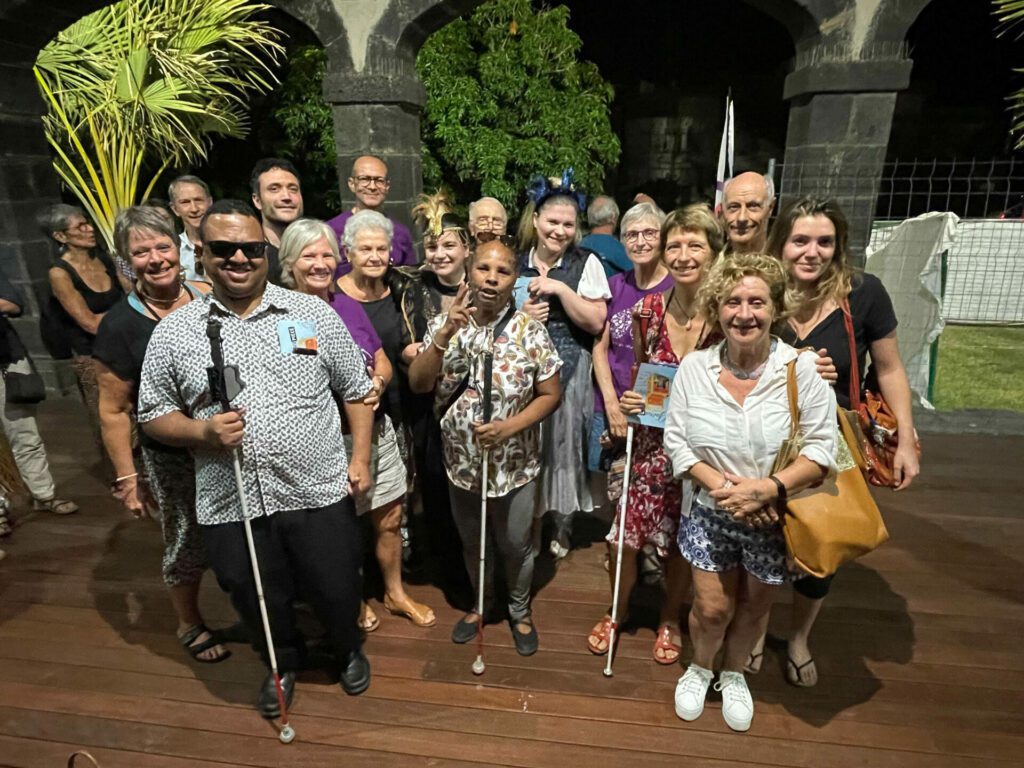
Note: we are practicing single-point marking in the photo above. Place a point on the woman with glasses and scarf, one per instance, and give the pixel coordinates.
(564, 287)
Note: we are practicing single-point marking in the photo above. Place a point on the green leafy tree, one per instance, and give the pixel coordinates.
(508, 97)
(1010, 14)
(142, 85)
(306, 124)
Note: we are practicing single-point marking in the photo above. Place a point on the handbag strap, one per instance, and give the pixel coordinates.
(641, 327)
(794, 410)
(854, 367)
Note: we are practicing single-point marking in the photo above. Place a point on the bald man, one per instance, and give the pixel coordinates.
(370, 183)
(747, 205)
(488, 219)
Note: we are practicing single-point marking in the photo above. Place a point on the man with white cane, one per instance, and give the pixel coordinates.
(290, 352)
(523, 389)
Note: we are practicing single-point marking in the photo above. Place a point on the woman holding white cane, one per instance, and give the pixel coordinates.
(524, 389)
(666, 327)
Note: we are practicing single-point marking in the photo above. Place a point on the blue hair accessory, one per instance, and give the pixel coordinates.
(541, 189)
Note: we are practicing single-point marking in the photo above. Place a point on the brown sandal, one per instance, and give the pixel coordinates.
(417, 613)
(599, 635)
(665, 643)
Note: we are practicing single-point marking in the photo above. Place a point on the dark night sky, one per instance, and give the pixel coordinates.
(955, 105)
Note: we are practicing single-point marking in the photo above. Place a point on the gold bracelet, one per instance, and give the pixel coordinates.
(434, 342)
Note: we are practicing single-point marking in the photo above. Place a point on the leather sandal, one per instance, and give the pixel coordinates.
(665, 643)
(195, 647)
(597, 640)
(368, 620)
(419, 614)
(55, 505)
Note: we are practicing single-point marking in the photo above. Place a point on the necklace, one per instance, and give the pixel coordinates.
(740, 373)
(162, 303)
(688, 325)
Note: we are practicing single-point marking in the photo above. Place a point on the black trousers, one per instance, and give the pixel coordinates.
(320, 549)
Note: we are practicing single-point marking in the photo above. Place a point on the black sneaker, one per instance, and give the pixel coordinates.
(526, 644)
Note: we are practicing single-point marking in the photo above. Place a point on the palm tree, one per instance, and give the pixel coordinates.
(146, 84)
(1010, 14)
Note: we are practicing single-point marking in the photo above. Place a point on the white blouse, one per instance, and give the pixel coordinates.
(705, 423)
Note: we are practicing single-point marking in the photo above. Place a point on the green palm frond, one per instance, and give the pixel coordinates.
(146, 83)
(1010, 14)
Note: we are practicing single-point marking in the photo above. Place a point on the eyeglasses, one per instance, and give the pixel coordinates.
(647, 234)
(225, 249)
(372, 181)
(490, 221)
(82, 226)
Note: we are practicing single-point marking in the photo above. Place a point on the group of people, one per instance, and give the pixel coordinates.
(366, 382)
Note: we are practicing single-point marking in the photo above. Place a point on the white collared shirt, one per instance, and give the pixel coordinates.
(187, 256)
(705, 423)
(593, 283)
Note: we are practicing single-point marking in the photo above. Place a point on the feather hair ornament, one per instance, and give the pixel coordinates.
(431, 211)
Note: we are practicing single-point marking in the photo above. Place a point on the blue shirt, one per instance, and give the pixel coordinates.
(611, 252)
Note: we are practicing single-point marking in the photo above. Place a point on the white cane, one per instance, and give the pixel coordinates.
(623, 503)
(213, 332)
(478, 665)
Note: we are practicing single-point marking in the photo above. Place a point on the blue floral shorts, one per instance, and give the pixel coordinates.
(713, 540)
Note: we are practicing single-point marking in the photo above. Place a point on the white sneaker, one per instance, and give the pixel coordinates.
(737, 703)
(691, 690)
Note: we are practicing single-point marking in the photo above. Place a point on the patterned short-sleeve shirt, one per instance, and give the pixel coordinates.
(293, 455)
(523, 356)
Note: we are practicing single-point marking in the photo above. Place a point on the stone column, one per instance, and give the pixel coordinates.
(839, 120)
(379, 115)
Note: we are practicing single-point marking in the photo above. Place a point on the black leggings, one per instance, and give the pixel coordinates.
(814, 588)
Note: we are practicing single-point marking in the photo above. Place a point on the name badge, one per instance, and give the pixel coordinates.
(297, 337)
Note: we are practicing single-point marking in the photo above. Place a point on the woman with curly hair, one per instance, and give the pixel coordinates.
(728, 417)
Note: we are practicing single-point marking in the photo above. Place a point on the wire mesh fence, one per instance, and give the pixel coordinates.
(983, 270)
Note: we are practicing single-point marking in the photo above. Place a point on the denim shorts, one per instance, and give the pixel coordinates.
(713, 540)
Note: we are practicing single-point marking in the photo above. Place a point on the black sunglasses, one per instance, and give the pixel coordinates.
(509, 241)
(225, 249)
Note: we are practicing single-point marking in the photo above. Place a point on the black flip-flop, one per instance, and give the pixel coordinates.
(794, 673)
(212, 641)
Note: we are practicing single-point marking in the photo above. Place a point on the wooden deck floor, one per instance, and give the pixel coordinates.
(918, 650)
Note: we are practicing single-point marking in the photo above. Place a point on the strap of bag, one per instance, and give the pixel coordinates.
(464, 384)
(854, 367)
(794, 409)
(642, 325)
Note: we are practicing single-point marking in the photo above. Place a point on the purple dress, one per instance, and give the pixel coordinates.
(625, 295)
(403, 253)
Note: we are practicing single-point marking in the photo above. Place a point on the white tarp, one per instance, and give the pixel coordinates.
(908, 262)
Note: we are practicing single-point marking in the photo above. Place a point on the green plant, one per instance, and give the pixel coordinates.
(507, 98)
(143, 84)
(1010, 14)
(306, 122)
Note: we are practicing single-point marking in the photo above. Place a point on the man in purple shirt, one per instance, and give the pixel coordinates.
(369, 182)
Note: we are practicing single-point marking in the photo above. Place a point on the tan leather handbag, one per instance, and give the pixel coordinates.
(836, 521)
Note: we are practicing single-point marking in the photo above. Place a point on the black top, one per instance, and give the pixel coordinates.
(11, 348)
(98, 303)
(120, 344)
(386, 319)
(873, 319)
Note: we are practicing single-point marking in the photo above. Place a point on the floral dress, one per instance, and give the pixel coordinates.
(655, 497)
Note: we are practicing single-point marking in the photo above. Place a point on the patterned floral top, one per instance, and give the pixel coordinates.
(523, 356)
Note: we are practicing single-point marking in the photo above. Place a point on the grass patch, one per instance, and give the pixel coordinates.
(980, 367)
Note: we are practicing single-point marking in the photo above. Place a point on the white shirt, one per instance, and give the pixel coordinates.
(593, 282)
(187, 256)
(705, 423)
